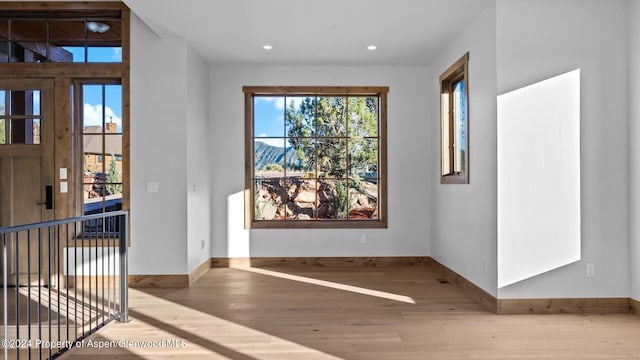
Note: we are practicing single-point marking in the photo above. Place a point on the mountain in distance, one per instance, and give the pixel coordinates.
(267, 154)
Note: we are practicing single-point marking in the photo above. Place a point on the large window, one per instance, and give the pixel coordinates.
(454, 108)
(315, 157)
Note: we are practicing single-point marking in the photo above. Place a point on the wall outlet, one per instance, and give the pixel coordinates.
(590, 270)
(202, 244)
(153, 187)
(363, 238)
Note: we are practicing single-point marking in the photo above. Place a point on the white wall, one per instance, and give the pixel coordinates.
(537, 39)
(409, 145)
(463, 225)
(158, 153)
(634, 138)
(198, 172)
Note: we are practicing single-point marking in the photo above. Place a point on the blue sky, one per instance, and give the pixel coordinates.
(269, 118)
(93, 106)
(96, 54)
(459, 91)
(93, 109)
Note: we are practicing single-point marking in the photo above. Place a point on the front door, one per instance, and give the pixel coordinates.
(26, 173)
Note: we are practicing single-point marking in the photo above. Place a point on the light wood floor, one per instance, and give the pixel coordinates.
(400, 313)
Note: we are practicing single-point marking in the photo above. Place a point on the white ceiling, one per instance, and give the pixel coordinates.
(302, 32)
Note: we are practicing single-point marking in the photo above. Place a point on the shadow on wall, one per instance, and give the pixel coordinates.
(538, 178)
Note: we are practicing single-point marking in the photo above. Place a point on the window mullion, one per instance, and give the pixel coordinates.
(315, 149)
(285, 180)
(348, 162)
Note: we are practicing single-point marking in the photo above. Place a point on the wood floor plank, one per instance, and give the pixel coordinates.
(349, 313)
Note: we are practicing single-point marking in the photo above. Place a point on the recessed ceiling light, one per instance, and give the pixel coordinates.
(267, 47)
(372, 47)
(97, 27)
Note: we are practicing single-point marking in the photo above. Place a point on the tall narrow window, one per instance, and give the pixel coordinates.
(454, 108)
(316, 157)
(101, 109)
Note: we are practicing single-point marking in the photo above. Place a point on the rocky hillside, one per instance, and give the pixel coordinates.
(309, 199)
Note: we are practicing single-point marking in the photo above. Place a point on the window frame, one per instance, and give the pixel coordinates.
(258, 91)
(457, 72)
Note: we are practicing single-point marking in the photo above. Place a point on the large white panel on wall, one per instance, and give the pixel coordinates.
(538, 178)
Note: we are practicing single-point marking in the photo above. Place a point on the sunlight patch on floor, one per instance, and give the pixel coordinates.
(333, 285)
(216, 337)
(74, 306)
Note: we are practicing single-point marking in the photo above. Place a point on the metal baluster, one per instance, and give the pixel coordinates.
(112, 284)
(112, 267)
(97, 287)
(124, 271)
(102, 262)
(84, 235)
(5, 297)
(17, 292)
(66, 282)
(75, 280)
(90, 240)
(58, 283)
(50, 285)
(28, 287)
(40, 290)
